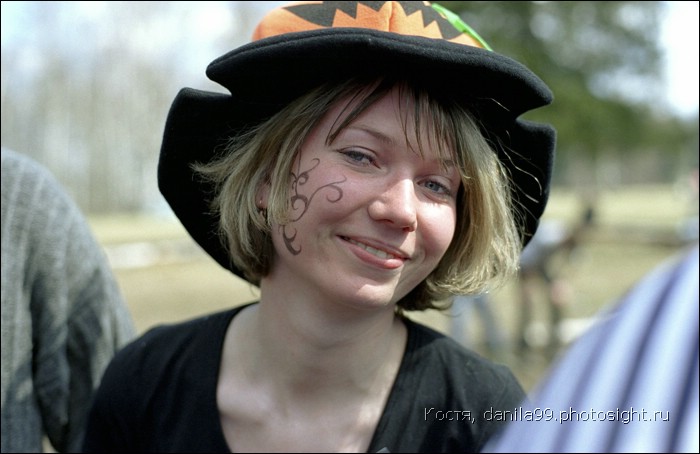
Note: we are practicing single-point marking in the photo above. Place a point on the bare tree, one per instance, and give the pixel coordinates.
(87, 91)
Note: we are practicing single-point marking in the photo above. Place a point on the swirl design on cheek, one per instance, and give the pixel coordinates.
(301, 202)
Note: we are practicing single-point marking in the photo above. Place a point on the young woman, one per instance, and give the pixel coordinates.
(368, 162)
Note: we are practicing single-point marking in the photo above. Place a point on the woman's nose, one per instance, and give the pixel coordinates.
(396, 204)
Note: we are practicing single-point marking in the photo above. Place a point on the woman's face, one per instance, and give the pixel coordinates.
(370, 217)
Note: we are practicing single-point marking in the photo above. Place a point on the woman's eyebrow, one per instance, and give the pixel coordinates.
(446, 162)
(373, 132)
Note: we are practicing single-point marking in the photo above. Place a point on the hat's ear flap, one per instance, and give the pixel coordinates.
(531, 173)
(196, 124)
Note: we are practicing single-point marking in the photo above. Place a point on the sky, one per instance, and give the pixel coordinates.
(680, 37)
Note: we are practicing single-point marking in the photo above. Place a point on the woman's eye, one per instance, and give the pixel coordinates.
(358, 156)
(438, 188)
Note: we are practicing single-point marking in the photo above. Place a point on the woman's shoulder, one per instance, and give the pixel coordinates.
(451, 362)
(427, 341)
(170, 346)
(447, 396)
(186, 329)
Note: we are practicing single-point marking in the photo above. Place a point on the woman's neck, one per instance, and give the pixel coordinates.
(316, 347)
(285, 369)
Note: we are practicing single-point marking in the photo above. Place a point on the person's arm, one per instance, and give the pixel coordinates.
(79, 318)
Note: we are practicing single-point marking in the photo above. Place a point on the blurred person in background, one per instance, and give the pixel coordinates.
(369, 161)
(629, 383)
(543, 266)
(63, 316)
(464, 307)
(688, 229)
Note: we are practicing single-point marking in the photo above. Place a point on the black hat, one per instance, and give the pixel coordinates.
(300, 46)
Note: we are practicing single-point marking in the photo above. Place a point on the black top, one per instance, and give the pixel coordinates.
(159, 394)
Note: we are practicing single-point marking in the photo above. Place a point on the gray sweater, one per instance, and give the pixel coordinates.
(63, 315)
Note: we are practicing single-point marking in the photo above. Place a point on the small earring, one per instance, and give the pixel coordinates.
(262, 211)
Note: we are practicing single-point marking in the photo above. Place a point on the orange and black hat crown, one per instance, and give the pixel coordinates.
(304, 44)
(404, 18)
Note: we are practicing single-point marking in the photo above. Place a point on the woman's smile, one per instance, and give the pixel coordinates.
(387, 259)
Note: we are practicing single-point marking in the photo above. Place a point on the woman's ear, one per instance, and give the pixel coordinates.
(261, 196)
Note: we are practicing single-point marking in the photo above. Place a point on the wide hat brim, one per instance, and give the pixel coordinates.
(265, 75)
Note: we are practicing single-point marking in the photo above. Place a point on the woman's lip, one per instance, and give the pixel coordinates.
(380, 252)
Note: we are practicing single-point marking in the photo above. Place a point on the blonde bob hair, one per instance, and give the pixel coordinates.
(486, 245)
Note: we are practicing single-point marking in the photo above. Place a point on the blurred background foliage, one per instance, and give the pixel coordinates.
(603, 61)
(86, 86)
